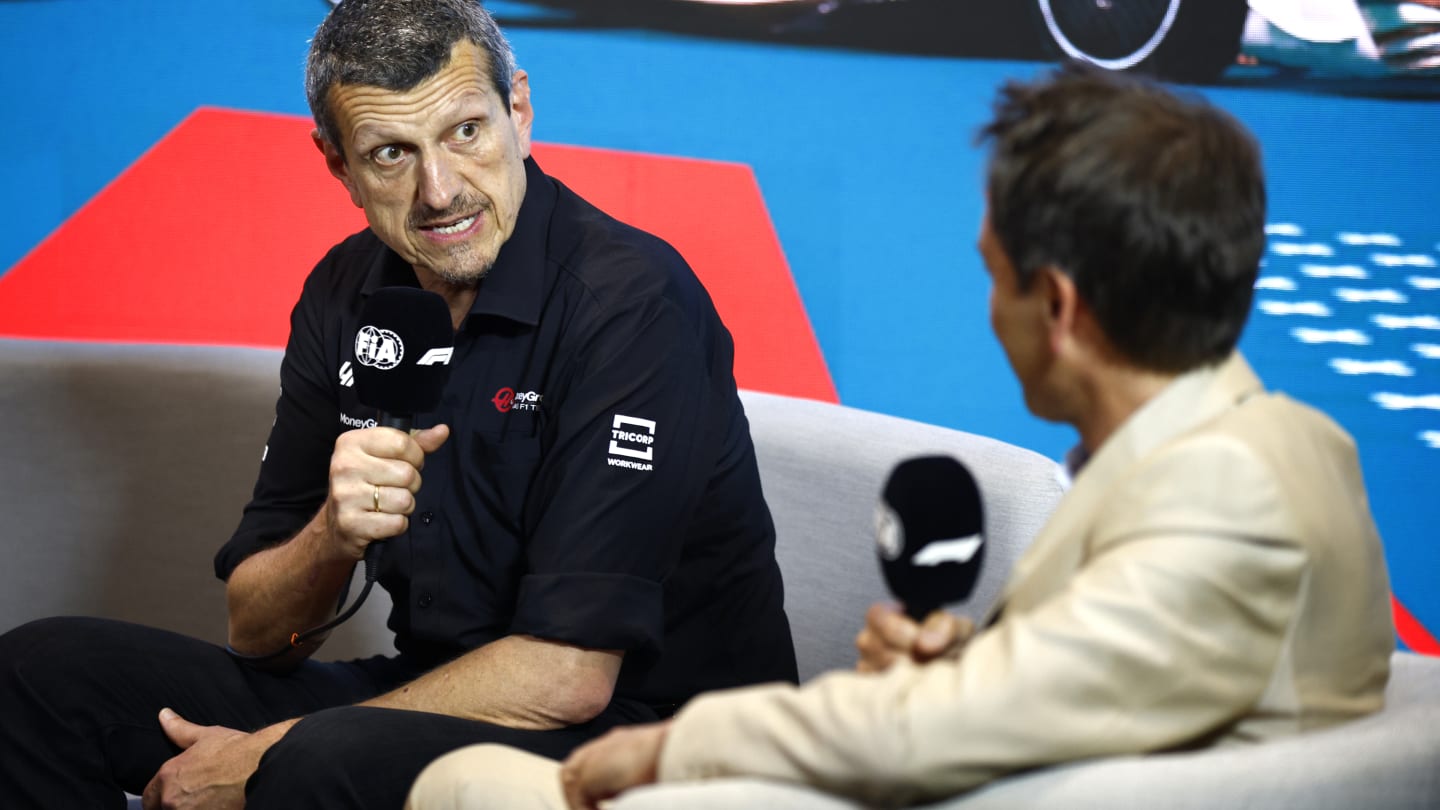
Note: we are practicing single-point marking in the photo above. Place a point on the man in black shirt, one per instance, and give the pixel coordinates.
(588, 546)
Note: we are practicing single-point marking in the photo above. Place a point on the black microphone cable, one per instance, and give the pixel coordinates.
(372, 570)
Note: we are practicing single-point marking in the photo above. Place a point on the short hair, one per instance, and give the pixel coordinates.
(396, 45)
(1152, 202)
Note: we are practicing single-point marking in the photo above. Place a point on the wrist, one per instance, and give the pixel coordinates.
(662, 732)
(271, 734)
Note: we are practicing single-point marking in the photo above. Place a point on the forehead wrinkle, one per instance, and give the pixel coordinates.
(374, 112)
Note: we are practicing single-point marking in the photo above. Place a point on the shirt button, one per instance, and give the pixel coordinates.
(426, 517)
(425, 599)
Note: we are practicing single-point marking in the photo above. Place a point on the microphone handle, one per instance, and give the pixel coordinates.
(399, 421)
(915, 609)
(373, 552)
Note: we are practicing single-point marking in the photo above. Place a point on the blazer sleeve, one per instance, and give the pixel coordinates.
(1167, 634)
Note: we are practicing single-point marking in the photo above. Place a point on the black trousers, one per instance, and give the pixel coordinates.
(79, 700)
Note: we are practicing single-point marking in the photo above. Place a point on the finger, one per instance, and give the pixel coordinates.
(378, 442)
(410, 447)
(392, 500)
(430, 439)
(374, 511)
(940, 633)
(570, 781)
(891, 627)
(874, 655)
(353, 471)
(150, 798)
(182, 732)
(355, 527)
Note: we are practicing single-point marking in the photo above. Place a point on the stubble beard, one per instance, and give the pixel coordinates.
(466, 264)
(467, 270)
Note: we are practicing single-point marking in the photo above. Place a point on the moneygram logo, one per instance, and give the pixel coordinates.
(378, 348)
(508, 399)
(356, 422)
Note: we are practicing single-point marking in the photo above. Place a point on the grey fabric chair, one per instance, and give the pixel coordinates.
(823, 466)
(126, 466)
(129, 465)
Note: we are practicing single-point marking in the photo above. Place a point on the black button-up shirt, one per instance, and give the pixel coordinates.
(599, 485)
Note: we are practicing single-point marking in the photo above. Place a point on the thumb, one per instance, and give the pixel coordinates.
(430, 439)
(937, 634)
(182, 732)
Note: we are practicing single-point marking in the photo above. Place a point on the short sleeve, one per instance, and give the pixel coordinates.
(628, 465)
(294, 467)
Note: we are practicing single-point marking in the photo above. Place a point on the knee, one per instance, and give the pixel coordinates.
(44, 645)
(319, 756)
(317, 742)
(488, 776)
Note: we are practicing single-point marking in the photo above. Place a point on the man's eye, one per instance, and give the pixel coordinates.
(467, 131)
(388, 155)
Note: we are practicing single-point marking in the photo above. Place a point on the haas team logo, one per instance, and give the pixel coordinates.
(504, 399)
(508, 398)
(378, 348)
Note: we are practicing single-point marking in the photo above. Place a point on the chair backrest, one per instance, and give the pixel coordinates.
(127, 466)
(823, 466)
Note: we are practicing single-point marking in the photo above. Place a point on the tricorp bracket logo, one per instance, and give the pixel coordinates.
(632, 438)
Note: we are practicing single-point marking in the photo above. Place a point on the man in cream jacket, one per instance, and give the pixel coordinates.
(1213, 577)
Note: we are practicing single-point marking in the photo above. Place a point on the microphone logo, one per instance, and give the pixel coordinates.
(959, 550)
(378, 348)
(889, 533)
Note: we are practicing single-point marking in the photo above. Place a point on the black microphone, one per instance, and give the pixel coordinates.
(402, 353)
(929, 532)
(402, 361)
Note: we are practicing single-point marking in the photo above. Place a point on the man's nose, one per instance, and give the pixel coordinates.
(439, 182)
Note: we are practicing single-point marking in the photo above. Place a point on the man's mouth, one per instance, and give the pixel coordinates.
(453, 228)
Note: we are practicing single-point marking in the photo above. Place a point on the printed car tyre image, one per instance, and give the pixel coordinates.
(1179, 40)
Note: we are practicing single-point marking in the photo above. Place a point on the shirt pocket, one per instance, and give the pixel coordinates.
(499, 474)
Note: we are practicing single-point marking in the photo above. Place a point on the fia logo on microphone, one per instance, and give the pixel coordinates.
(378, 348)
(889, 533)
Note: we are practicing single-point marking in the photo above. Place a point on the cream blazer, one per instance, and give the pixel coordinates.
(1213, 577)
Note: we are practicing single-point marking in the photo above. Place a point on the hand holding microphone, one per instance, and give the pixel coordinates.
(374, 477)
(402, 362)
(928, 527)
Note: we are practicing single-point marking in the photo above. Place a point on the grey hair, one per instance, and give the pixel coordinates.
(396, 45)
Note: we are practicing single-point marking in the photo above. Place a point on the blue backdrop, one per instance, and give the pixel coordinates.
(868, 166)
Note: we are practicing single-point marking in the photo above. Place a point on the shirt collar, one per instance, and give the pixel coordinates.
(514, 288)
(1193, 398)
(1070, 466)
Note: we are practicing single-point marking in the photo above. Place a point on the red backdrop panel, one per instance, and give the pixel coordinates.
(207, 238)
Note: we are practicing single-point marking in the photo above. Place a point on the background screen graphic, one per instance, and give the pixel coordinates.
(153, 153)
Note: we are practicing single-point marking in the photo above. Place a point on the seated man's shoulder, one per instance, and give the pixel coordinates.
(1271, 467)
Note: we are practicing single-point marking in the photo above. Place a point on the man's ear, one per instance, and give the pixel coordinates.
(522, 114)
(335, 162)
(1062, 305)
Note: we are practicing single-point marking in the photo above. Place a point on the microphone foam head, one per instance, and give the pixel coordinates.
(402, 350)
(929, 532)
